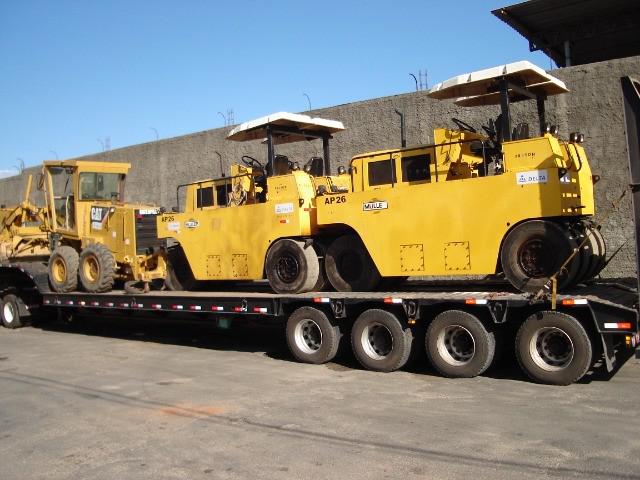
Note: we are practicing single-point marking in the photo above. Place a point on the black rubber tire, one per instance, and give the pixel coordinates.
(134, 287)
(380, 342)
(601, 261)
(292, 268)
(179, 276)
(459, 345)
(66, 258)
(550, 246)
(311, 336)
(349, 267)
(10, 311)
(98, 256)
(539, 340)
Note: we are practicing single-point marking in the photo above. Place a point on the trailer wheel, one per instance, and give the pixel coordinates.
(97, 268)
(312, 337)
(292, 268)
(10, 311)
(380, 342)
(535, 250)
(553, 348)
(349, 267)
(459, 345)
(63, 269)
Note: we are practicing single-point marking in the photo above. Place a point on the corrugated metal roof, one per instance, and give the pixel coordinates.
(595, 30)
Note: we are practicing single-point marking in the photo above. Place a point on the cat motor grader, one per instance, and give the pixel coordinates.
(472, 203)
(260, 221)
(95, 238)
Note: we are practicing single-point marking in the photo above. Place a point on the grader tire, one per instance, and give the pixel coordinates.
(349, 267)
(63, 269)
(601, 259)
(97, 269)
(535, 250)
(292, 268)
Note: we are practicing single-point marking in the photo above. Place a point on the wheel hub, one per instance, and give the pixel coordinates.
(91, 269)
(59, 271)
(377, 341)
(8, 313)
(308, 336)
(287, 268)
(456, 345)
(551, 349)
(533, 258)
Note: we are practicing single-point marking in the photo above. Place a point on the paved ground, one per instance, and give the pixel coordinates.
(118, 400)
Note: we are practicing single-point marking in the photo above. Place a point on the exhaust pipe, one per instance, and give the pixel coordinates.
(403, 133)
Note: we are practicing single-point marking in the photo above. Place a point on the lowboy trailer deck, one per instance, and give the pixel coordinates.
(460, 330)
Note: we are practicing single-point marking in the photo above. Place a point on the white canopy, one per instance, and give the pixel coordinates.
(478, 88)
(294, 126)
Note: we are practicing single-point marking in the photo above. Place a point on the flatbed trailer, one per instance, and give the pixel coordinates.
(461, 329)
(459, 326)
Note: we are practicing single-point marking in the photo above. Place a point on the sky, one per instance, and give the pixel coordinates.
(78, 76)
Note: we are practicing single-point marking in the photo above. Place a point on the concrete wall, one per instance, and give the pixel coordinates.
(593, 107)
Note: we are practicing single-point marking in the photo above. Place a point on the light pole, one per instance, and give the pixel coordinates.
(156, 131)
(415, 79)
(308, 101)
(223, 116)
(101, 143)
(55, 153)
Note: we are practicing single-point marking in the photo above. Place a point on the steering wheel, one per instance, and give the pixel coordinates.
(462, 125)
(251, 162)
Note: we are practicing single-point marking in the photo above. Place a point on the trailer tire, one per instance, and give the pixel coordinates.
(97, 268)
(553, 348)
(63, 269)
(533, 251)
(380, 342)
(311, 336)
(10, 311)
(459, 345)
(179, 276)
(349, 267)
(292, 268)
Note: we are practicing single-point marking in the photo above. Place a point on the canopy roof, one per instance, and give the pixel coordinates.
(574, 32)
(286, 128)
(481, 87)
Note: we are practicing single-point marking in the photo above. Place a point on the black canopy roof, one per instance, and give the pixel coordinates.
(574, 32)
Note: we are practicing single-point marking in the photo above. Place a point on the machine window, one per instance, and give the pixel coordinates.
(416, 168)
(382, 172)
(222, 194)
(204, 197)
(100, 186)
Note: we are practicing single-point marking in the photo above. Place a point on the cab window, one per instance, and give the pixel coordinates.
(100, 186)
(382, 172)
(416, 168)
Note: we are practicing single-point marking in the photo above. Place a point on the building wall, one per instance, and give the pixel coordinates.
(593, 107)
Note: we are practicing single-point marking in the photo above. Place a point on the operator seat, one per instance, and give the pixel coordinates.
(281, 165)
(315, 167)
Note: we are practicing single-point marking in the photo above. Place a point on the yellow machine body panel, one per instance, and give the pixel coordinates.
(228, 224)
(431, 211)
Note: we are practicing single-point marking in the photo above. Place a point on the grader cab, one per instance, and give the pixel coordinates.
(96, 239)
(472, 203)
(259, 221)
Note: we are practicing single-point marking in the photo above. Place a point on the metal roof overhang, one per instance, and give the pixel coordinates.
(574, 32)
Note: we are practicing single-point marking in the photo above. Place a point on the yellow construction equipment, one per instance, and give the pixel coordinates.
(96, 238)
(472, 203)
(260, 220)
(502, 201)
